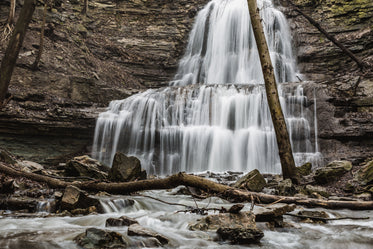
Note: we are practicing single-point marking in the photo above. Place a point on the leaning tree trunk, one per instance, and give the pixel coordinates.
(12, 12)
(282, 135)
(15, 43)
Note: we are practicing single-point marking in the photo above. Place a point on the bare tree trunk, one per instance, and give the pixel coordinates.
(15, 43)
(41, 44)
(173, 181)
(328, 36)
(282, 135)
(12, 12)
(85, 7)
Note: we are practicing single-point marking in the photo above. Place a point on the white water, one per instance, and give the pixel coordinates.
(215, 126)
(59, 232)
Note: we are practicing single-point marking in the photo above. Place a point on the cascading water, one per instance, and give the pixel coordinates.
(220, 125)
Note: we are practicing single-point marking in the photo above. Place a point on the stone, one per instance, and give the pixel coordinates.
(86, 166)
(125, 169)
(7, 157)
(235, 209)
(240, 235)
(332, 171)
(121, 221)
(305, 169)
(267, 214)
(229, 220)
(29, 166)
(311, 216)
(84, 211)
(137, 230)
(309, 189)
(252, 181)
(74, 198)
(285, 187)
(365, 175)
(97, 238)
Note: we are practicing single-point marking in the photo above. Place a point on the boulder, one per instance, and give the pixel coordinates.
(305, 169)
(365, 175)
(97, 238)
(286, 187)
(240, 235)
(121, 221)
(239, 228)
(267, 214)
(310, 189)
(252, 181)
(137, 230)
(74, 198)
(86, 166)
(332, 171)
(125, 169)
(30, 167)
(230, 220)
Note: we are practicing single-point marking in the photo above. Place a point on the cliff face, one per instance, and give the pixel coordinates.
(123, 47)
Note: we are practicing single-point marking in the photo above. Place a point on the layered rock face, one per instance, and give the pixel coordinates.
(123, 47)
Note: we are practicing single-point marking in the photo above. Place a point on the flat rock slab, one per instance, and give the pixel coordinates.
(138, 230)
(265, 214)
(225, 220)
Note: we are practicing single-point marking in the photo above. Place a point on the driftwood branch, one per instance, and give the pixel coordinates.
(327, 219)
(330, 37)
(173, 181)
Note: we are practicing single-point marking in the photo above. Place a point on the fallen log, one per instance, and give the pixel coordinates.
(173, 181)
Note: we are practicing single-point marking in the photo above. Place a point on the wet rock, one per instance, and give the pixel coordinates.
(332, 171)
(252, 181)
(97, 238)
(235, 209)
(240, 235)
(267, 214)
(137, 230)
(309, 189)
(365, 175)
(121, 221)
(229, 220)
(86, 166)
(313, 216)
(145, 243)
(84, 211)
(285, 187)
(305, 169)
(74, 198)
(126, 169)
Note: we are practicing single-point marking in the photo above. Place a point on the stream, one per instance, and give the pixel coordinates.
(59, 232)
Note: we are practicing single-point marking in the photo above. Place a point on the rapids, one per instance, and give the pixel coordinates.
(58, 232)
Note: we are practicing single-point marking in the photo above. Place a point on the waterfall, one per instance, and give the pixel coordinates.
(214, 116)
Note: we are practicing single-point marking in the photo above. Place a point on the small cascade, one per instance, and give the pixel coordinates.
(43, 206)
(115, 205)
(214, 116)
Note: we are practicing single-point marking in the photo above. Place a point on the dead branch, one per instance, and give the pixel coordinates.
(173, 181)
(327, 219)
(330, 37)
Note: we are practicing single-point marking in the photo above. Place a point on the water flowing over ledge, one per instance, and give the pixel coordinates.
(215, 125)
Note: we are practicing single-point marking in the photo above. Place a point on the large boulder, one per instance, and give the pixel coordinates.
(125, 169)
(332, 171)
(97, 238)
(305, 169)
(86, 167)
(252, 181)
(240, 235)
(365, 175)
(74, 198)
